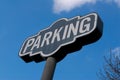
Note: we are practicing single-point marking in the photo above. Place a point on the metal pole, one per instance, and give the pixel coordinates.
(49, 69)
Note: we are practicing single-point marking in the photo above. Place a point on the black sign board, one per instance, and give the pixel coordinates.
(62, 37)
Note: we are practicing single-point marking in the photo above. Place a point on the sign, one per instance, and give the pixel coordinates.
(62, 37)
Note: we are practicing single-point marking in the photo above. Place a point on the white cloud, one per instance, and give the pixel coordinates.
(117, 2)
(108, 1)
(114, 1)
(68, 5)
(116, 52)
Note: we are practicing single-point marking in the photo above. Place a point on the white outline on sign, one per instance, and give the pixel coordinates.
(47, 55)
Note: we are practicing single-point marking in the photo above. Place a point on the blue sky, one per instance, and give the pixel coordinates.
(20, 19)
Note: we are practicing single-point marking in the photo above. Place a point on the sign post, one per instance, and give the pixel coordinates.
(49, 69)
(62, 37)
